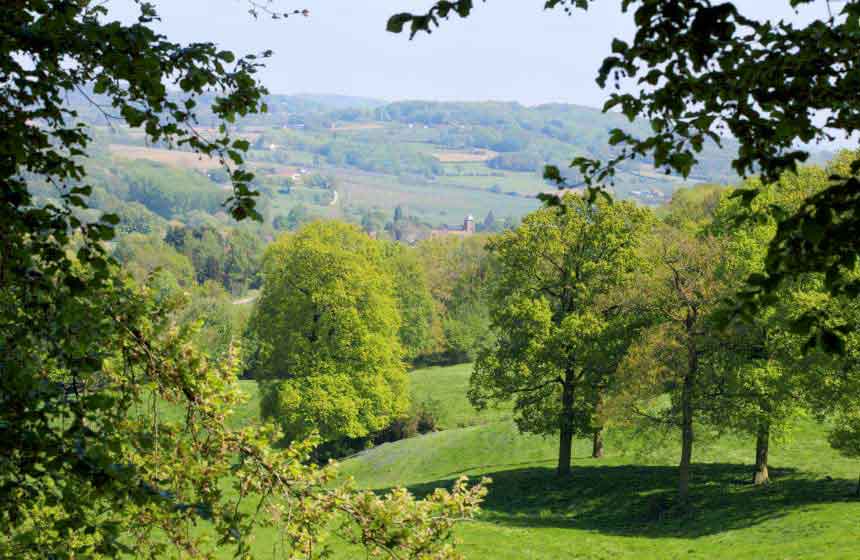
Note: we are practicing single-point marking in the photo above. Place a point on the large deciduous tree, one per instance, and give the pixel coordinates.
(831, 382)
(759, 381)
(328, 325)
(458, 271)
(230, 256)
(556, 326)
(679, 292)
(414, 301)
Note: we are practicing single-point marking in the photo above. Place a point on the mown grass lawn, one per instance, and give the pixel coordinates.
(619, 506)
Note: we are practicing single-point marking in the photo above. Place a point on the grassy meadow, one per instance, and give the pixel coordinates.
(615, 507)
(443, 200)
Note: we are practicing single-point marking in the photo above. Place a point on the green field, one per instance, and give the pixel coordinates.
(611, 508)
(440, 201)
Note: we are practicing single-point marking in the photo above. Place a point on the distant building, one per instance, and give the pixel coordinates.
(467, 229)
(469, 224)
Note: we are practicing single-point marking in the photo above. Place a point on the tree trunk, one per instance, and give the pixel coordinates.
(566, 431)
(686, 449)
(687, 427)
(564, 451)
(597, 444)
(762, 442)
(687, 408)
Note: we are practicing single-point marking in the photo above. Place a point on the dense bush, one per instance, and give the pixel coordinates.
(421, 419)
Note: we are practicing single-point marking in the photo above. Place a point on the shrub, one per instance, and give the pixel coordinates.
(421, 419)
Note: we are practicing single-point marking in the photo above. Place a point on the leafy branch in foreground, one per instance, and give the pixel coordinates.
(443, 9)
(114, 428)
(702, 72)
(135, 454)
(258, 8)
(134, 76)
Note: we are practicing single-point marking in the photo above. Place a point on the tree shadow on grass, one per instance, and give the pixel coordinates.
(632, 500)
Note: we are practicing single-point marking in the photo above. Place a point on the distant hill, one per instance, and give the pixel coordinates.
(531, 136)
(336, 102)
(441, 160)
(553, 133)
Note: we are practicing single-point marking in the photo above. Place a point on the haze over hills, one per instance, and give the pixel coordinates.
(379, 314)
(360, 158)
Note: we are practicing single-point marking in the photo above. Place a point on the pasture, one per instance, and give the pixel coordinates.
(464, 156)
(438, 201)
(172, 158)
(616, 507)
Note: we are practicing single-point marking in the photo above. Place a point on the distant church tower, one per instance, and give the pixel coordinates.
(469, 224)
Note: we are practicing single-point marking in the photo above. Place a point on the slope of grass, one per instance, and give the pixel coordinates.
(618, 507)
(244, 415)
(614, 508)
(444, 390)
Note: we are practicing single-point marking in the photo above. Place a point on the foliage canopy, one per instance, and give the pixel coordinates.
(700, 71)
(328, 325)
(92, 464)
(559, 333)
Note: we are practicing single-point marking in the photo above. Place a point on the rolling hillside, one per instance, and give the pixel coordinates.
(441, 161)
(611, 508)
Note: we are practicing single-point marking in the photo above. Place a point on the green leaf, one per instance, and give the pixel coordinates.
(397, 21)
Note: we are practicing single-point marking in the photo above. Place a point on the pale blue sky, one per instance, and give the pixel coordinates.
(508, 50)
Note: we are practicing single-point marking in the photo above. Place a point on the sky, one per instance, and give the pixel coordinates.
(510, 50)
